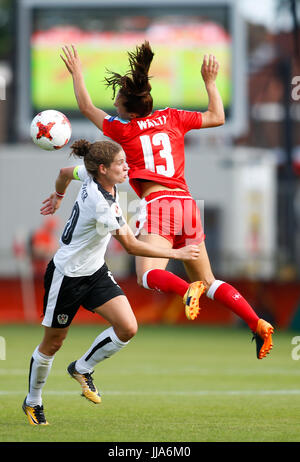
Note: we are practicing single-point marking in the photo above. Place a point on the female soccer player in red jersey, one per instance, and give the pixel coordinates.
(154, 147)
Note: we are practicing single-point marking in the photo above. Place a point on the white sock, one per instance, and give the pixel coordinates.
(104, 346)
(40, 366)
(211, 291)
(144, 279)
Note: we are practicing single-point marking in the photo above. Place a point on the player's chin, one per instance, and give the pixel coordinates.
(122, 179)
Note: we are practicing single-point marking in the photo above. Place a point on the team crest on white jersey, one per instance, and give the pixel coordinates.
(116, 209)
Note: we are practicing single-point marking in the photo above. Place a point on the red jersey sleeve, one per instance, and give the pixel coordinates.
(189, 120)
(114, 127)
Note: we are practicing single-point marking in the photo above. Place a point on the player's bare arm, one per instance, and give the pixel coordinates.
(52, 203)
(134, 247)
(214, 116)
(73, 64)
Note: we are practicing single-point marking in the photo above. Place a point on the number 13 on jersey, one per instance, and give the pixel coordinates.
(159, 139)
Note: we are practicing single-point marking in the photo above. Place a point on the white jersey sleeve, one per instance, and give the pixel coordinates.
(80, 173)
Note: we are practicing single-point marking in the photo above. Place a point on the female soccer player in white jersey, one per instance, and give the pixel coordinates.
(78, 275)
(154, 146)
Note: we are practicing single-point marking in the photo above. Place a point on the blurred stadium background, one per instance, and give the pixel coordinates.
(245, 174)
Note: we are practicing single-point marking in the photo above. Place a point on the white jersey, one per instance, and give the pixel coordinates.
(95, 215)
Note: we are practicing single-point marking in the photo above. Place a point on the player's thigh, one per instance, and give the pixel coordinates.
(119, 314)
(143, 264)
(200, 269)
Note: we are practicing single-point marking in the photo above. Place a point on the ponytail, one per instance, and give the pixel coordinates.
(80, 148)
(134, 85)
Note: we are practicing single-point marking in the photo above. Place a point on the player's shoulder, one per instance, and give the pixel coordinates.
(116, 128)
(94, 199)
(102, 196)
(165, 111)
(87, 193)
(116, 119)
(170, 113)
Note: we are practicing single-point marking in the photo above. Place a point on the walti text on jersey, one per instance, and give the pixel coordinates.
(143, 124)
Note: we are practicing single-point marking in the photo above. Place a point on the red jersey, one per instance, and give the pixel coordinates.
(154, 145)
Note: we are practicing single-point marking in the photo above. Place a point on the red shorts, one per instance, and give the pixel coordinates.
(173, 215)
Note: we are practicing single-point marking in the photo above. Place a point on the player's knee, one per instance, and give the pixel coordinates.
(131, 330)
(55, 344)
(140, 280)
(128, 331)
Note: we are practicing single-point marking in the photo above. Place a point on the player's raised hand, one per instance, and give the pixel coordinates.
(71, 59)
(51, 204)
(189, 252)
(209, 69)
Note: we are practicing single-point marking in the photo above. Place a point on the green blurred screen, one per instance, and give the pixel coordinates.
(178, 40)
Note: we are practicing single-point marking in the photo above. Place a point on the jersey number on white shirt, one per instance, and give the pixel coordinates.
(166, 153)
(70, 225)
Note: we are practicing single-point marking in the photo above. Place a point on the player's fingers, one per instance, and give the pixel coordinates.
(74, 51)
(67, 64)
(64, 60)
(46, 207)
(205, 60)
(211, 62)
(194, 252)
(214, 62)
(46, 210)
(67, 60)
(47, 202)
(67, 52)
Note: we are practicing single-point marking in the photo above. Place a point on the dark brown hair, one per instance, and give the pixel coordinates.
(95, 154)
(134, 86)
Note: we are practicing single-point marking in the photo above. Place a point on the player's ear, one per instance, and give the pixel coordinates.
(133, 115)
(102, 169)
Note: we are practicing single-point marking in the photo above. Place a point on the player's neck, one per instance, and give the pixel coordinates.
(141, 117)
(106, 185)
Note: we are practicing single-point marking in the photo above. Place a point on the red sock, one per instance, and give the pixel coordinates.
(164, 281)
(230, 297)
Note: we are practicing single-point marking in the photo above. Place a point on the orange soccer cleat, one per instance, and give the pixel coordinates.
(191, 299)
(89, 390)
(263, 338)
(35, 414)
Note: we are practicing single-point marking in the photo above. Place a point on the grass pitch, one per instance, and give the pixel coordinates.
(170, 384)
